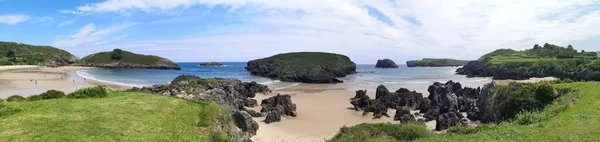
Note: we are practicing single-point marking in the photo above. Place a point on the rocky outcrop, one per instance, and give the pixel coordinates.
(403, 115)
(211, 64)
(276, 106)
(385, 100)
(124, 59)
(306, 67)
(233, 95)
(386, 63)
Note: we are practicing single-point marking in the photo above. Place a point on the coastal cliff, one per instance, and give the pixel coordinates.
(306, 67)
(541, 61)
(430, 62)
(386, 63)
(124, 59)
(12, 53)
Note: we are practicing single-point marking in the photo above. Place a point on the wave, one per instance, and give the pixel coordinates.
(86, 75)
(277, 84)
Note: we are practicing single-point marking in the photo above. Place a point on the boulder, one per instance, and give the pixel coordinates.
(273, 116)
(386, 63)
(306, 67)
(245, 122)
(360, 99)
(403, 115)
(281, 104)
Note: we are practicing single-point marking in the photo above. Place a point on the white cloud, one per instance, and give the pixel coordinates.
(65, 23)
(89, 36)
(13, 19)
(458, 29)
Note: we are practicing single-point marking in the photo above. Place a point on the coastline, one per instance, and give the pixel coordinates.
(21, 80)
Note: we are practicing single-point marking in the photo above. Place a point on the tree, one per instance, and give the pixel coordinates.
(536, 46)
(117, 54)
(11, 55)
(582, 51)
(570, 48)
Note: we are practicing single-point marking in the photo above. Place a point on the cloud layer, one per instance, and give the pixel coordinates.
(13, 18)
(365, 30)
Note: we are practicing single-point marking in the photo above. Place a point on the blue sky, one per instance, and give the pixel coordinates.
(242, 30)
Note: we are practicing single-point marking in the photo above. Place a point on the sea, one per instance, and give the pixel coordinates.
(368, 77)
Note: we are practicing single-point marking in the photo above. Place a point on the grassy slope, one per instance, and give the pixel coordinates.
(439, 62)
(128, 57)
(120, 117)
(307, 60)
(30, 54)
(579, 122)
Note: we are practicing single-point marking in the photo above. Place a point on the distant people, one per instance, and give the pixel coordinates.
(73, 80)
(35, 81)
(61, 77)
(84, 79)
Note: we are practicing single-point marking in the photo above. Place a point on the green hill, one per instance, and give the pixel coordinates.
(430, 62)
(122, 116)
(124, 59)
(569, 118)
(12, 53)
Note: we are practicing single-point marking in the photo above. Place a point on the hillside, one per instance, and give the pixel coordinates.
(569, 118)
(430, 62)
(12, 53)
(540, 61)
(306, 67)
(122, 116)
(125, 59)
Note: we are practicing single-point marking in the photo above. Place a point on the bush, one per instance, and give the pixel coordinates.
(90, 92)
(15, 98)
(52, 94)
(219, 137)
(520, 97)
(465, 129)
(9, 110)
(34, 98)
(366, 132)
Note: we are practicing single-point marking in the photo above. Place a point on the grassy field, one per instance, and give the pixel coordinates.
(127, 57)
(120, 117)
(578, 122)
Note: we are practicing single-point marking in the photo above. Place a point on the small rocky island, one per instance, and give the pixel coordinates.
(386, 63)
(306, 67)
(124, 59)
(431, 62)
(211, 64)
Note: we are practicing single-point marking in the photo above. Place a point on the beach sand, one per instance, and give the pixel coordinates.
(322, 111)
(21, 80)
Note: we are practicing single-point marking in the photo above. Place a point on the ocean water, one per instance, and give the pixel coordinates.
(368, 76)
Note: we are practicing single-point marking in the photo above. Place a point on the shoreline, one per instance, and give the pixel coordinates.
(27, 80)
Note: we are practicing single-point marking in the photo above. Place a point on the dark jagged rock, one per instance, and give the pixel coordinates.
(281, 104)
(386, 63)
(377, 107)
(403, 115)
(412, 99)
(244, 121)
(233, 95)
(306, 67)
(425, 106)
(360, 99)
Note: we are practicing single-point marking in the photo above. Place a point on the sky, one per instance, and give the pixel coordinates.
(242, 30)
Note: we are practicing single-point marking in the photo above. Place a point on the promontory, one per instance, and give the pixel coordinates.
(431, 62)
(386, 63)
(14, 53)
(306, 67)
(124, 59)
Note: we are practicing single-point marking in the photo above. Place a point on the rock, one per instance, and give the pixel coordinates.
(412, 99)
(403, 115)
(430, 62)
(377, 107)
(211, 64)
(425, 105)
(250, 102)
(244, 121)
(281, 104)
(273, 116)
(386, 63)
(306, 67)
(360, 99)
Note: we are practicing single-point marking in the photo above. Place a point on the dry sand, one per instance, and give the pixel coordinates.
(21, 80)
(322, 111)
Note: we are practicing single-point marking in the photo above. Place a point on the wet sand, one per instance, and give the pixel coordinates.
(21, 80)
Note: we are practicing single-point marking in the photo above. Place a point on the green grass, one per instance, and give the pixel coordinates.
(307, 61)
(33, 55)
(381, 132)
(123, 116)
(127, 57)
(437, 62)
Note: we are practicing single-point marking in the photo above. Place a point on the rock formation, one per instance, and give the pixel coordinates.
(211, 64)
(306, 67)
(276, 106)
(430, 62)
(124, 59)
(386, 63)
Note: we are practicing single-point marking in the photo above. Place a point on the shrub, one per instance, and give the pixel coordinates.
(9, 110)
(219, 137)
(465, 129)
(15, 98)
(366, 132)
(89, 92)
(52, 94)
(34, 98)
(518, 97)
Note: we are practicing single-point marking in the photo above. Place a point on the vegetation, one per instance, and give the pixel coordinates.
(15, 98)
(430, 62)
(12, 53)
(121, 116)
(569, 117)
(540, 61)
(124, 59)
(382, 132)
(386, 63)
(89, 92)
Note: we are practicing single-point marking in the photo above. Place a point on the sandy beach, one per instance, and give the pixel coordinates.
(29, 80)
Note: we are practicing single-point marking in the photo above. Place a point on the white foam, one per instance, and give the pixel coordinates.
(417, 82)
(86, 75)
